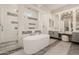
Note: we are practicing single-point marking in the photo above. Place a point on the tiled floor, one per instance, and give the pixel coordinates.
(52, 40)
(56, 48)
(61, 48)
(21, 51)
(74, 49)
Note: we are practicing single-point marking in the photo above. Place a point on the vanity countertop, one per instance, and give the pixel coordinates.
(65, 33)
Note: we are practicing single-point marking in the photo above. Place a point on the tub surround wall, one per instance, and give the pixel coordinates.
(41, 22)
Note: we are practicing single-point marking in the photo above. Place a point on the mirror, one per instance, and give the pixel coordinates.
(77, 19)
(51, 23)
(67, 18)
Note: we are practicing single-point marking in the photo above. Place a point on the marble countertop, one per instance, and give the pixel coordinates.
(66, 33)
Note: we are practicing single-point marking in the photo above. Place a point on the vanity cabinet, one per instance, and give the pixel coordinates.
(54, 34)
(75, 37)
(75, 34)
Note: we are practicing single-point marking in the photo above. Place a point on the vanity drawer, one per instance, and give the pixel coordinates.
(75, 37)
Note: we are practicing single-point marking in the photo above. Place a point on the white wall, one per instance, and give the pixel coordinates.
(43, 19)
(44, 22)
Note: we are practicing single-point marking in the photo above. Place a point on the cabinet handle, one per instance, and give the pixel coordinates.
(2, 28)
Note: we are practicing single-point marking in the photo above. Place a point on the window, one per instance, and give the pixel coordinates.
(29, 14)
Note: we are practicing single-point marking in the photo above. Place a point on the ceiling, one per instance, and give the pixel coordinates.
(55, 7)
(52, 7)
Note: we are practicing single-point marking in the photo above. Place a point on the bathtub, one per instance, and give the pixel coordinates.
(35, 43)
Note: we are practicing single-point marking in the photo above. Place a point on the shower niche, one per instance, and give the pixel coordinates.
(30, 21)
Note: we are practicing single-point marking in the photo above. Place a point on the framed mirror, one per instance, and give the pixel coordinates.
(77, 19)
(51, 23)
(67, 18)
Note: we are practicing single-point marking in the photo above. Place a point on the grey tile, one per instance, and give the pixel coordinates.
(10, 52)
(19, 52)
(61, 48)
(74, 49)
(43, 51)
(53, 42)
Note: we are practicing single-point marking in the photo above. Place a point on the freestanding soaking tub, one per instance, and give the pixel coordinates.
(35, 43)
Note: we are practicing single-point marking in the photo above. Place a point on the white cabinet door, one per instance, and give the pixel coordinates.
(0, 29)
(0, 26)
(10, 26)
